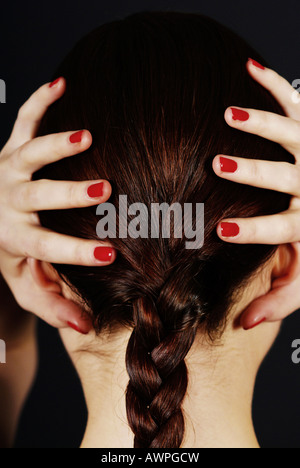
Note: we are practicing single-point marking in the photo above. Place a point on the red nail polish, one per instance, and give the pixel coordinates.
(256, 64)
(76, 137)
(228, 165)
(103, 254)
(229, 229)
(96, 190)
(256, 324)
(238, 114)
(54, 83)
(76, 328)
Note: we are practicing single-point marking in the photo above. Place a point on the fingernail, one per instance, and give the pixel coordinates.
(256, 64)
(54, 83)
(96, 190)
(228, 165)
(103, 254)
(255, 324)
(238, 114)
(76, 137)
(76, 328)
(229, 229)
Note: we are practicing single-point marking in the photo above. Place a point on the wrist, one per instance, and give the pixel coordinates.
(16, 325)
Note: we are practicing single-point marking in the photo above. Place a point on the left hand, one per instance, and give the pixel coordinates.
(22, 238)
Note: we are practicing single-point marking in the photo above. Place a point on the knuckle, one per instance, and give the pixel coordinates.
(251, 229)
(255, 173)
(26, 196)
(21, 153)
(57, 148)
(14, 160)
(79, 253)
(73, 196)
(292, 178)
(287, 228)
(58, 144)
(16, 197)
(261, 123)
(40, 247)
(31, 195)
(274, 78)
(23, 112)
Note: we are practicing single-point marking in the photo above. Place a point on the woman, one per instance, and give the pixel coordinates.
(169, 316)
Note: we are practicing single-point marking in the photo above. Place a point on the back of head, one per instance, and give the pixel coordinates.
(152, 89)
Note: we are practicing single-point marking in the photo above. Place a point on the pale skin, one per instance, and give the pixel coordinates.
(218, 403)
(282, 228)
(27, 250)
(22, 238)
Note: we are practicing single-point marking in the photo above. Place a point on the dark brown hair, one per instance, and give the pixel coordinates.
(152, 89)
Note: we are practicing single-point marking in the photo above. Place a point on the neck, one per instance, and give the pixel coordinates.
(217, 406)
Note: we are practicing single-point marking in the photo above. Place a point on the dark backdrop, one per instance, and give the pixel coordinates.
(35, 36)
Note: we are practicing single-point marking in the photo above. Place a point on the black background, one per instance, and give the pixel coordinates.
(35, 36)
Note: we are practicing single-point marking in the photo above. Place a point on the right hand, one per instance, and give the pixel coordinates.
(21, 236)
(281, 228)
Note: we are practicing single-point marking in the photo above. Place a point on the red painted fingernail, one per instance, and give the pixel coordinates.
(228, 165)
(96, 190)
(103, 254)
(76, 137)
(256, 64)
(238, 114)
(255, 324)
(76, 328)
(54, 83)
(229, 229)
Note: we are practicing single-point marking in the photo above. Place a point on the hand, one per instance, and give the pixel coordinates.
(276, 229)
(21, 236)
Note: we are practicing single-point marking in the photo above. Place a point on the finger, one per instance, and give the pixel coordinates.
(47, 149)
(261, 310)
(43, 195)
(54, 308)
(276, 229)
(43, 244)
(279, 87)
(49, 303)
(274, 127)
(278, 176)
(272, 307)
(32, 111)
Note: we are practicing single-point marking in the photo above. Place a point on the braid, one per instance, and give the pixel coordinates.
(158, 374)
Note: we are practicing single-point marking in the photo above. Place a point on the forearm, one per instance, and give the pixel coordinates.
(17, 330)
(15, 323)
